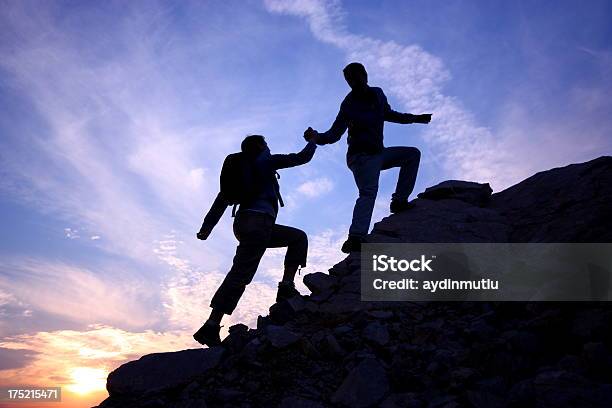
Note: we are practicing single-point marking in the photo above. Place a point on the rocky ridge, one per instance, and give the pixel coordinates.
(331, 349)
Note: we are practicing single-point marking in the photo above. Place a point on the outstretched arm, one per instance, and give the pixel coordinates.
(336, 131)
(403, 118)
(282, 161)
(398, 117)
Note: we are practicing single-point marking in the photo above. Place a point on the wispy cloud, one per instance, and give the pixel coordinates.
(76, 294)
(6, 298)
(71, 233)
(315, 188)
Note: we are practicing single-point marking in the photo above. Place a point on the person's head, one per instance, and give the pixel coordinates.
(252, 145)
(356, 76)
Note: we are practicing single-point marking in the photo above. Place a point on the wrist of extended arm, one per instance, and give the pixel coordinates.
(410, 118)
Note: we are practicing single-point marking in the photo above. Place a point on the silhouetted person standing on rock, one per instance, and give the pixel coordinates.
(248, 180)
(363, 112)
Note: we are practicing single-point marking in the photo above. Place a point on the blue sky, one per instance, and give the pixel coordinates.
(115, 118)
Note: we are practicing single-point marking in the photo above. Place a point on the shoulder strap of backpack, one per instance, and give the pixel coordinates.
(280, 198)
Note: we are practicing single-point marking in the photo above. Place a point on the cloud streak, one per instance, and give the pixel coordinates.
(76, 294)
(315, 188)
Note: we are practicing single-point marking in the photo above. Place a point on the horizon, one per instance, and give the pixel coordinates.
(116, 119)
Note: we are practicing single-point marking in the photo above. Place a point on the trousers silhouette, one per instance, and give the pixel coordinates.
(255, 232)
(366, 170)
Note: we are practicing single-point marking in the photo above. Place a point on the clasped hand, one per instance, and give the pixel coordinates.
(311, 135)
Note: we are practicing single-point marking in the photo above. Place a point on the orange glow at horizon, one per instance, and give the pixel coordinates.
(80, 361)
(86, 380)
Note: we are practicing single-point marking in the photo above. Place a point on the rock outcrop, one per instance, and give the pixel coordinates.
(331, 349)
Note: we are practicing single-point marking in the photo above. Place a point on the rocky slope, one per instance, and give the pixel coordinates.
(331, 349)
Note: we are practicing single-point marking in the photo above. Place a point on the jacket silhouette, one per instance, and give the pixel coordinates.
(266, 165)
(364, 117)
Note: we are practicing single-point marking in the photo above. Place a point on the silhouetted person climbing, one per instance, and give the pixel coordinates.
(363, 112)
(249, 182)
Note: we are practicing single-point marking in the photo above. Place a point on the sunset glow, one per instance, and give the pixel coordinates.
(86, 380)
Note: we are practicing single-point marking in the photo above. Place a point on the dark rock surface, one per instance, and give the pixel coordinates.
(162, 370)
(331, 349)
(364, 386)
(470, 192)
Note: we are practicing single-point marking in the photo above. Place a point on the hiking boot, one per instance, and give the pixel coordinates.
(398, 206)
(352, 244)
(286, 290)
(208, 334)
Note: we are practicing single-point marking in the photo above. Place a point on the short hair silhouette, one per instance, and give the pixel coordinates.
(354, 68)
(251, 145)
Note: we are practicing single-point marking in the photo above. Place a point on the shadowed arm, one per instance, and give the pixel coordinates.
(283, 161)
(213, 216)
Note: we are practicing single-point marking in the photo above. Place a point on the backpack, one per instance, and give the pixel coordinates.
(238, 182)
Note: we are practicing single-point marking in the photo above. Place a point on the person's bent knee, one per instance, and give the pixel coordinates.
(412, 153)
(301, 237)
(301, 243)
